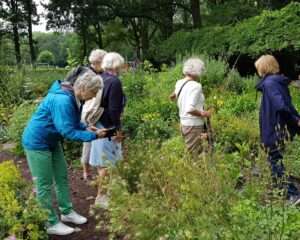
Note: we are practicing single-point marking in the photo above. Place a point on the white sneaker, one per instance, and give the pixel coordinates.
(60, 229)
(73, 217)
(102, 201)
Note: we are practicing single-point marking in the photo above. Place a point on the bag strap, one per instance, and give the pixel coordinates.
(182, 88)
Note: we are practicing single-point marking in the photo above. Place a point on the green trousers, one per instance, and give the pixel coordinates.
(49, 168)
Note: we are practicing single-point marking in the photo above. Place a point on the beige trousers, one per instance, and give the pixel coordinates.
(193, 138)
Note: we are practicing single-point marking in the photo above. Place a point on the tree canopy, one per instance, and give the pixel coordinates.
(143, 29)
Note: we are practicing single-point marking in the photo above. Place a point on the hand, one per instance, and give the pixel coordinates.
(204, 136)
(92, 129)
(172, 97)
(119, 137)
(206, 114)
(101, 133)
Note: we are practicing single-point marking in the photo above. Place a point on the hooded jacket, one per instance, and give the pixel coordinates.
(278, 118)
(57, 117)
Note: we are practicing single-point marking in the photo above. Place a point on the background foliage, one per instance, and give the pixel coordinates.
(271, 31)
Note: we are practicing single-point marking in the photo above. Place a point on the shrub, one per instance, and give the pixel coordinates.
(5, 114)
(38, 81)
(150, 113)
(237, 104)
(18, 122)
(250, 37)
(20, 215)
(46, 57)
(180, 198)
(12, 89)
(252, 221)
(215, 72)
(231, 131)
(292, 157)
(134, 85)
(176, 199)
(26, 83)
(153, 127)
(72, 150)
(234, 82)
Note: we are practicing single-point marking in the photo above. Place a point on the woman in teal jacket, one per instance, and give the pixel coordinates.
(58, 117)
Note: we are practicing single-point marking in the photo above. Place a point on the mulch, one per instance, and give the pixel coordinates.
(81, 198)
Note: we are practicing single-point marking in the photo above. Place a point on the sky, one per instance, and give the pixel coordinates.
(42, 25)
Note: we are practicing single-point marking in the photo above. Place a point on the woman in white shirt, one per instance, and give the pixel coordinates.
(190, 101)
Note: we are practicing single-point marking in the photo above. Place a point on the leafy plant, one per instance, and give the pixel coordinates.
(46, 57)
(250, 36)
(20, 215)
(18, 122)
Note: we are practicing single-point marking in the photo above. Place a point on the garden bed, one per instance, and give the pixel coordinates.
(80, 191)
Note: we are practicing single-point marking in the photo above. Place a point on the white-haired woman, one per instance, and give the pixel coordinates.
(91, 110)
(58, 117)
(95, 60)
(106, 152)
(190, 101)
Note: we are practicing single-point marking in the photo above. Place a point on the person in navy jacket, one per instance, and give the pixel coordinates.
(58, 117)
(278, 119)
(107, 152)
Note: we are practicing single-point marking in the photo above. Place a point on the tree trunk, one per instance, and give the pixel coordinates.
(99, 35)
(167, 12)
(137, 37)
(16, 36)
(144, 37)
(83, 33)
(186, 18)
(17, 43)
(29, 26)
(84, 45)
(195, 7)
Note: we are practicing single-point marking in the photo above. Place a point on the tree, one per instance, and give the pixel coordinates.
(12, 12)
(46, 57)
(195, 9)
(85, 17)
(99, 15)
(31, 16)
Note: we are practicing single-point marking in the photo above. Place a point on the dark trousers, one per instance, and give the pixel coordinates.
(280, 181)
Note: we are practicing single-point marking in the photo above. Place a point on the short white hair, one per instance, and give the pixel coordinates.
(88, 82)
(96, 55)
(193, 67)
(112, 61)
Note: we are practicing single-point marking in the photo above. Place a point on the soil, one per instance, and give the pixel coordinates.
(82, 197)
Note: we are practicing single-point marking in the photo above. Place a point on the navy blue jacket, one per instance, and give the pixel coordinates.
(113, 101)
(278, 118)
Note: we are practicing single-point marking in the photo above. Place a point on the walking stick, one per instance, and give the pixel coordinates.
(210, 137)
(210, 133)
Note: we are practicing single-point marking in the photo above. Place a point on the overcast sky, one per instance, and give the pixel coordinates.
(42, 25)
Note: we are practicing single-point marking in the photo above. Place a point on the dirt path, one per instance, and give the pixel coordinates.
(81, 194)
